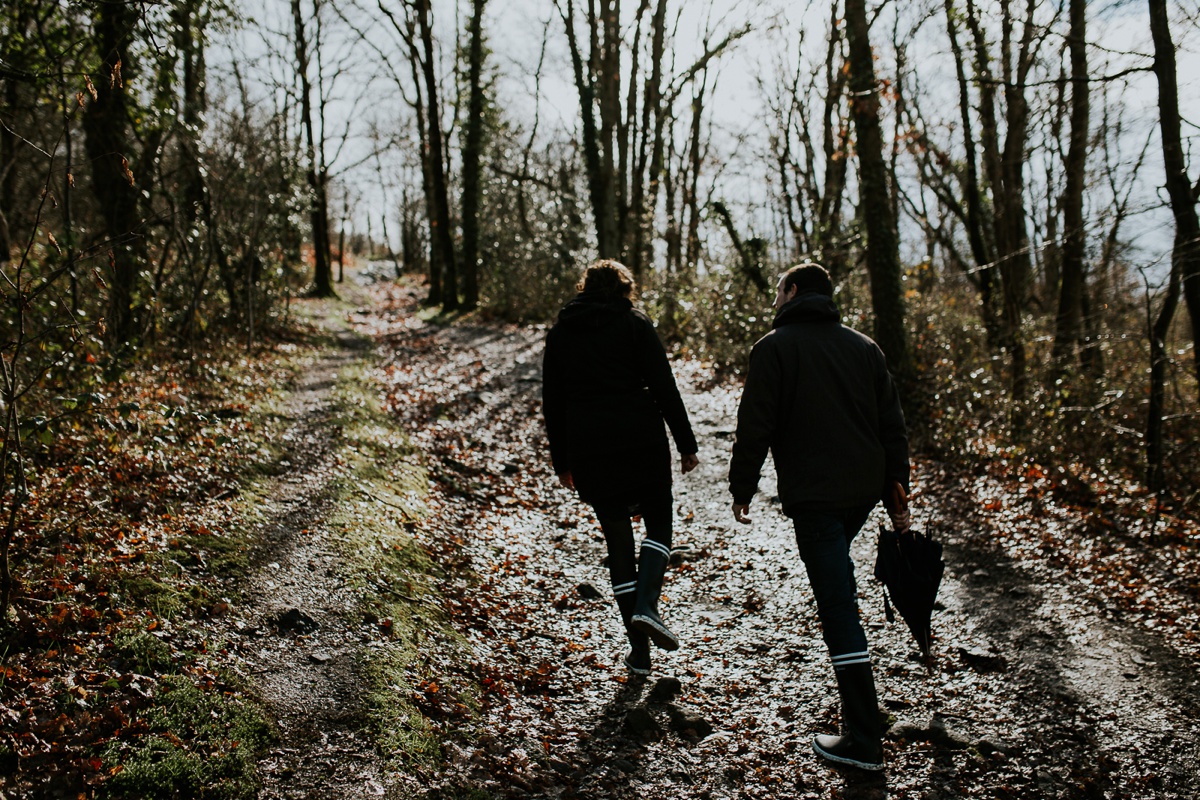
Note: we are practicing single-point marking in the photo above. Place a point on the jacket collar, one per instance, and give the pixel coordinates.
(593, 306)
(808, 307)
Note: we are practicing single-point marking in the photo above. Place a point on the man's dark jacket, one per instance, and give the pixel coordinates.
(607, 389)
(819, 395)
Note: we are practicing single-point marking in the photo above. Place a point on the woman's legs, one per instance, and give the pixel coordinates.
(652, 566)
(622, 569)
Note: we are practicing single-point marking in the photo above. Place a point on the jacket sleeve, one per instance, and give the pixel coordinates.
(554, 404)
(757, 418)
(656, 371)
(893, 433)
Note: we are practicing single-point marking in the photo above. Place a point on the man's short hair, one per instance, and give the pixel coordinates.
(808, 277)
(607, 277)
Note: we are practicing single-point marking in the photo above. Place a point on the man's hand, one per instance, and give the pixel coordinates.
(896, 502)
(567, 480)
(689, 462)
(894, 498)
(740, 512)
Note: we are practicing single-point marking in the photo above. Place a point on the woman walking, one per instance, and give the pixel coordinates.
(607, 390)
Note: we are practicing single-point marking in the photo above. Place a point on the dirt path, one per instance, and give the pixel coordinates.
(293, 636)
(1037, 693)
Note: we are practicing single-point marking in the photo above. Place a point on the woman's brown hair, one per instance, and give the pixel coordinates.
(607, 277)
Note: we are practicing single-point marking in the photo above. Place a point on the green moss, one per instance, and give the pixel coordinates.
(145, 590)
(149, 654)
(200, 742)
(379, 497)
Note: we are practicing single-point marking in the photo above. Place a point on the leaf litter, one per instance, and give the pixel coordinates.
(1041, 687)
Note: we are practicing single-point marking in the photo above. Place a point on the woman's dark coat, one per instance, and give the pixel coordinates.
(608, 388)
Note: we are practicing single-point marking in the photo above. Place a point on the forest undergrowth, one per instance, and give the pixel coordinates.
(118, 678)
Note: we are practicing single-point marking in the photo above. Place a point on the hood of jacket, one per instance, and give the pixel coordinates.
(808, 307)
(593, 308)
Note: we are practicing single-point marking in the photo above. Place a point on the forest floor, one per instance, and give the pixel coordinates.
(422, 612)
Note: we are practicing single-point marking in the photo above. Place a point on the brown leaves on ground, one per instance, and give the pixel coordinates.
(120, 544)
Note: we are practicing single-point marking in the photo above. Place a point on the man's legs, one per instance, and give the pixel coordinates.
(823, 539)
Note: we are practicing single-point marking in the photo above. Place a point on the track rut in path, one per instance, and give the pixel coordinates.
(292, 632)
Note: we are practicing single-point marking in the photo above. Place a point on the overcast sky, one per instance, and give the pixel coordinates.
(517, 29)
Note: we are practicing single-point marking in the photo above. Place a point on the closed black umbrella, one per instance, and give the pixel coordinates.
(910, 566)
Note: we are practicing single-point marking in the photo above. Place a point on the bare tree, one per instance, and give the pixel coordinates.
(883, 254)
(440, 222)
(1068, 332)
(471, 155)
(318, 179)
(1185, 255)
(1183, 194)
(109, 147)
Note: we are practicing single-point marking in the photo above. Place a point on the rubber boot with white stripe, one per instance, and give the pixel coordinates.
(861, 746)
(637, 660)
(652, 565)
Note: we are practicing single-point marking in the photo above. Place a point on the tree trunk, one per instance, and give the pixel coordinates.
(1008, 197)
(1185, 254)
(692, 189)
(317, 180)
(1068, 332)
(609, 95)
(1159, 360)
(982, 235)
(883, 255)
(437, 163)
(8, 171)
(436, 259)
(109, 147)
(471, 157)
(599, 179)
(829, 247)
(647, 206)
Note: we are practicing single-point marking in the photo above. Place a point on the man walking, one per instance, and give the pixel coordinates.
(818, 395)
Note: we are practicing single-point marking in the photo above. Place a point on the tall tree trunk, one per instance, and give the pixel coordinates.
(883, 254)
(982, 234)
(828, 237)
(692, 190)
(1009, 200)
(1159, 360)
(647, 206)
(609, 95)
(109, 147)
(1185, 255)
(599, 179)
(8, 169)
(189, 41)
(471, 156)
(317, 180)
(436, 257)
(437, 162)
(1068, 332)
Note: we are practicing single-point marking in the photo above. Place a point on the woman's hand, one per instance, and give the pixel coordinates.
(567, 480)
(689, 462)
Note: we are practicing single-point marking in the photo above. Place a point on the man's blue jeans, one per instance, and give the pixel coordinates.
(823, 538)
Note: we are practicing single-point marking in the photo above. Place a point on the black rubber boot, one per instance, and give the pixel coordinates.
(652, 565)
(861, 746)
(637, 660)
